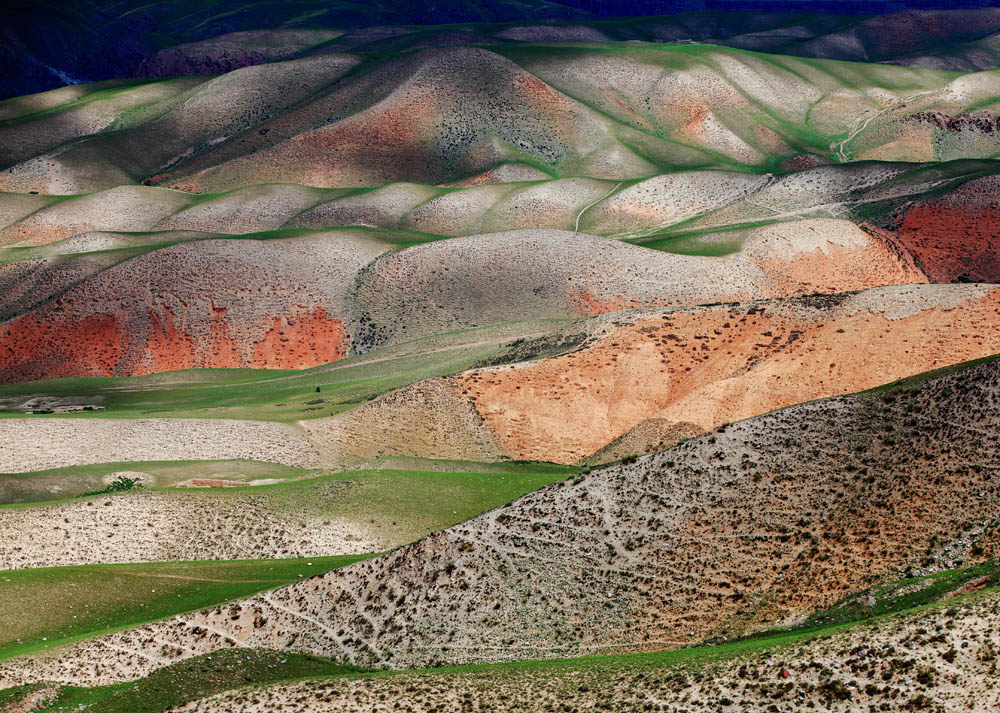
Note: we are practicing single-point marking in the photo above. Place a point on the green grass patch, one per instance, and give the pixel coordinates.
(925, 376)
(711, 245)
(413, 463)
(276, 394)
(400, 505)
(905, 594)
(45, 607)
(224, 670)
(405, 504)
(48, 606)
(192, 679)
(69, 482)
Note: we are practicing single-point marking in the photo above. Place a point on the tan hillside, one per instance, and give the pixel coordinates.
(448, 114)
(712, 365)
(759, 522)
(939, 660)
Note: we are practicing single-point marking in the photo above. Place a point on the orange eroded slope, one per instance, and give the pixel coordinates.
(311, 338)
(719, 364)
(954, 242)
(51, 343)
(96, 342)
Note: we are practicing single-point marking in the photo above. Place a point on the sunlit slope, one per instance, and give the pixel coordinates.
(912, 660)
(952, 201)
(272, 303)
(215, 293)
(300, 298)
(440, 115)
(653, 375)
(696, 367)
(758, 522)
(45, 606)
(947, 672)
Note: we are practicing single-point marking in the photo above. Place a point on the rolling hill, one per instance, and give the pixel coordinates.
(752, 524)
(577, 363)
(447, 114)
(941, 658)
(164, 280)
(648, 371)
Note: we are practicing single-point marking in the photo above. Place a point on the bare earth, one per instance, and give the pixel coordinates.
(752, 525)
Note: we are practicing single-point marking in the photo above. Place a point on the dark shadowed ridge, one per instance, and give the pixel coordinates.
(48, 44)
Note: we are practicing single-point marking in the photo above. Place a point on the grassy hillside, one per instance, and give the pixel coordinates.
(279, 681)
(73, 481)
(352, 511)
(280, 395)
(626, 362)
(42, 608)
(176, 685)
(927, 658)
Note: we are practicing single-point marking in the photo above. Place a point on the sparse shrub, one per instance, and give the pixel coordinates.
(120, 484)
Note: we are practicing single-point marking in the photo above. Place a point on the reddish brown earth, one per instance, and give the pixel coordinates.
(590, 305)
(793, 269)
(52, 343)
(306, 340)
(956, 238)
(713, 365)
(93, 345)
(207, 304)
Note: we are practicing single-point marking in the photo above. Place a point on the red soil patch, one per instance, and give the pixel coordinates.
(954, 243)
(309, 339)
(171, 349)
(717, 365)
(54, 344)
(41, 345)
(168, 348)
(589, 305)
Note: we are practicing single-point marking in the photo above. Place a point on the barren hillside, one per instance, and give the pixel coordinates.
(699, 366)
(307, 298)
(614, 111)
(585, 347)
(759, 522)
(939, 660)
